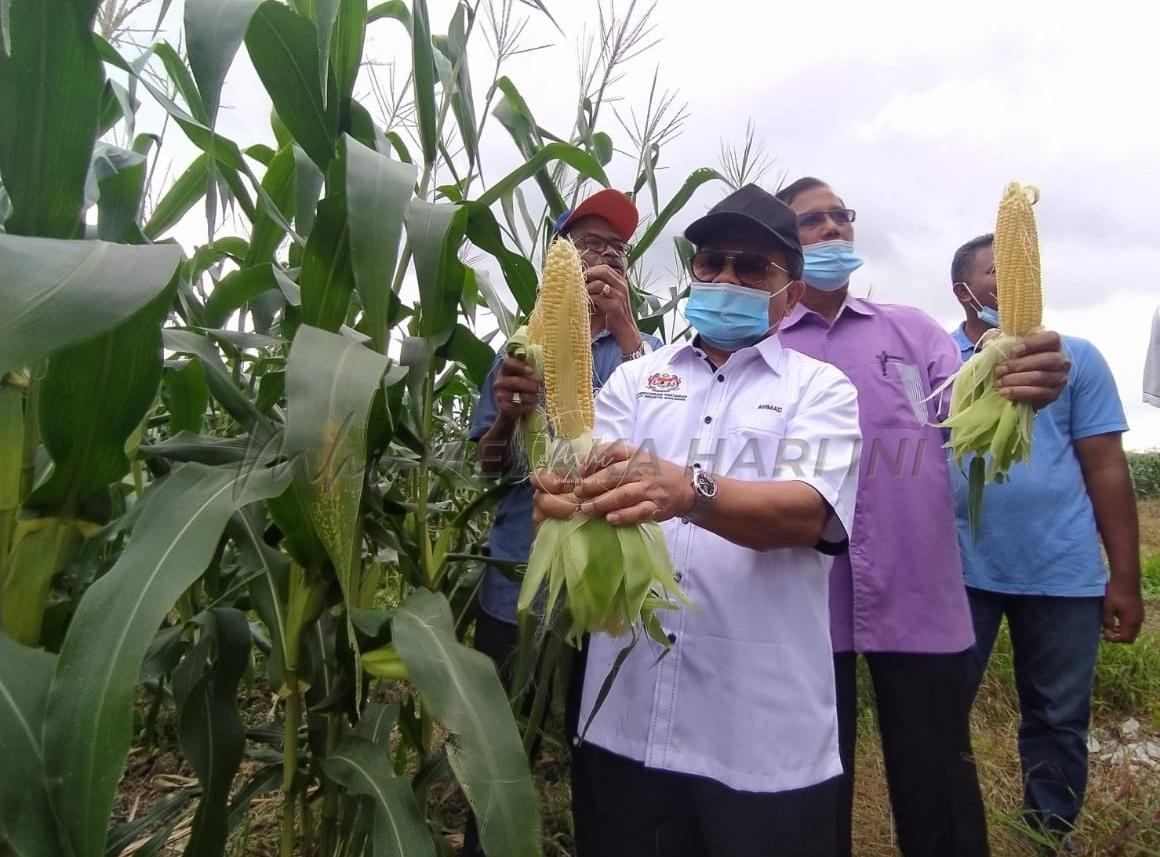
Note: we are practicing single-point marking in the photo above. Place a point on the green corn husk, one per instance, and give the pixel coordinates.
(995, 432)
(604, 577)
(607, 576)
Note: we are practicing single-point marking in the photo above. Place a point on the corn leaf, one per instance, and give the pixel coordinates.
(214, 30)
(347, 47)
(187, 396)
(235, 290)
(280, 186)
(680, 199)
(26, 822)
(330, 383)
(423, 75)
(435, 232)
(377, 192)
(51, 83)
(396, 9)
(326, 280)
(58, 293)
(461, 689)
(573, 156)
(88, 724)
(209, 727)
(483, 231)
(220, 382)
(182, 195)
(363, 767)
(94, 395)
(284, 49)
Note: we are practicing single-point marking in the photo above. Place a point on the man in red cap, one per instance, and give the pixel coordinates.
(600, 227)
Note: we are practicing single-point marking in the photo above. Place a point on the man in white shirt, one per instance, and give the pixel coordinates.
(746, 453)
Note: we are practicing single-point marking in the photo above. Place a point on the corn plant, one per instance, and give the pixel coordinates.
(243, 464)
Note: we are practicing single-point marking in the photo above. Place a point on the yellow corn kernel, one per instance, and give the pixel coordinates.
(1018, 281)
(560, 325)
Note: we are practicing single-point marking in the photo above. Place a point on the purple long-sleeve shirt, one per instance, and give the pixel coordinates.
(900, 588)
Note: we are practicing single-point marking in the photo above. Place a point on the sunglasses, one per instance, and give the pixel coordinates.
(750, 267)
(840, 216)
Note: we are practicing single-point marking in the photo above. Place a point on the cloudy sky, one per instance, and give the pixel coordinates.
(918, 117)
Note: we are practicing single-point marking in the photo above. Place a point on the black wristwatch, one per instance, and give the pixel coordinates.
(704, 493)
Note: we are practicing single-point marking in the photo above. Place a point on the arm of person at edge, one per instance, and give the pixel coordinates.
(1109, 485)
(629, 485)
(495, 446)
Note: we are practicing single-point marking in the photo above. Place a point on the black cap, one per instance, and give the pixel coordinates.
(752, 206)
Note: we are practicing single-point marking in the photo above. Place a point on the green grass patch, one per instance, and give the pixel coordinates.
(1145, 467)
(1150, 577)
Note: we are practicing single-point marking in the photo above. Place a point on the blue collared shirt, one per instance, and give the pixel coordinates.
(512, 532)
(1038, 534)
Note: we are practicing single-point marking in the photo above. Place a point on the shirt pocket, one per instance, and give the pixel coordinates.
(756, 446)
(899, 393)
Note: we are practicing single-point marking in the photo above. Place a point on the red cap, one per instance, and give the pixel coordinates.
(612, 205)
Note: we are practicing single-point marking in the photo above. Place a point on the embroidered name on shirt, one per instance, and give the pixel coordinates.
(663, 385)
(767, 407)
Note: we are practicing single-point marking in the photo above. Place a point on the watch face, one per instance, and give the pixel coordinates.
(706, 484)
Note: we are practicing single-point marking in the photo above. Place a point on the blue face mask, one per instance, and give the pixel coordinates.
(829, 264)
(728, 316)
(987, 315)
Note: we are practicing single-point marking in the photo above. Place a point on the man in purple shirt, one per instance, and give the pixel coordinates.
(898, 597)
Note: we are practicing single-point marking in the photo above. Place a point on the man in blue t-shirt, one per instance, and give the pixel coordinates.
(1037, 558)
(600, 227)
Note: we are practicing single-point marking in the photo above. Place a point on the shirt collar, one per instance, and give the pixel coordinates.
(959, 335)
(858, 306)
(769, 349)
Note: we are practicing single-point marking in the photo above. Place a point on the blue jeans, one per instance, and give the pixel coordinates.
(1055, 642)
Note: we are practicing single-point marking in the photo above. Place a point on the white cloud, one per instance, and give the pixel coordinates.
(917, 112)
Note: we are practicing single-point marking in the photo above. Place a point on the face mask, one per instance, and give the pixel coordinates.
(987, 315)
(829, 264)
(728, 316)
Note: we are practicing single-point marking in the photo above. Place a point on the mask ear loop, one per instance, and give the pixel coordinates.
(978, 308)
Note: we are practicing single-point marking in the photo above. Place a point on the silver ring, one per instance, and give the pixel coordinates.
(517, 399)
(606, 291)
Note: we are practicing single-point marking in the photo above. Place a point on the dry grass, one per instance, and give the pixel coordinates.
(1121, 816)
(1149, 526)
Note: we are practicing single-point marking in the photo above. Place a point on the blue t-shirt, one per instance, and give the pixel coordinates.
(1037, 533)
(512, 532)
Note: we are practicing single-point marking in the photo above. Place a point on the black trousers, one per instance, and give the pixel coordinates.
(924, 710)
(623, 809)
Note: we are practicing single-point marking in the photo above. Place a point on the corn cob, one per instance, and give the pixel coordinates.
(993, 430)
(606, 577)
(561, 319)
(1017, 272)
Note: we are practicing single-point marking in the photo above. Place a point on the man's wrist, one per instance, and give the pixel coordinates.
(631, 344)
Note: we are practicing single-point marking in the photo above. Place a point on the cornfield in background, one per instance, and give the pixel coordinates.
(238, 470)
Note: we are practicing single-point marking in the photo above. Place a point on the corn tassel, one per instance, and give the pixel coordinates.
(993, 430)
(608, 578)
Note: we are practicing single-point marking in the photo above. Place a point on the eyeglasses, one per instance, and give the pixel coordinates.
(751, 267)
(599, 245)
(840, 216)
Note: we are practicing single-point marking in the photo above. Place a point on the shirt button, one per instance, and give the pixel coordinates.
(684, 520)
(720, 377)
(708, 420)
(679, 576)
(672, 638)
(696, 465)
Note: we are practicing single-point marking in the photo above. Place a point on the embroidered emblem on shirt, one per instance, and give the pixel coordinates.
(663, 385)
(663, 382)
(768, 407)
